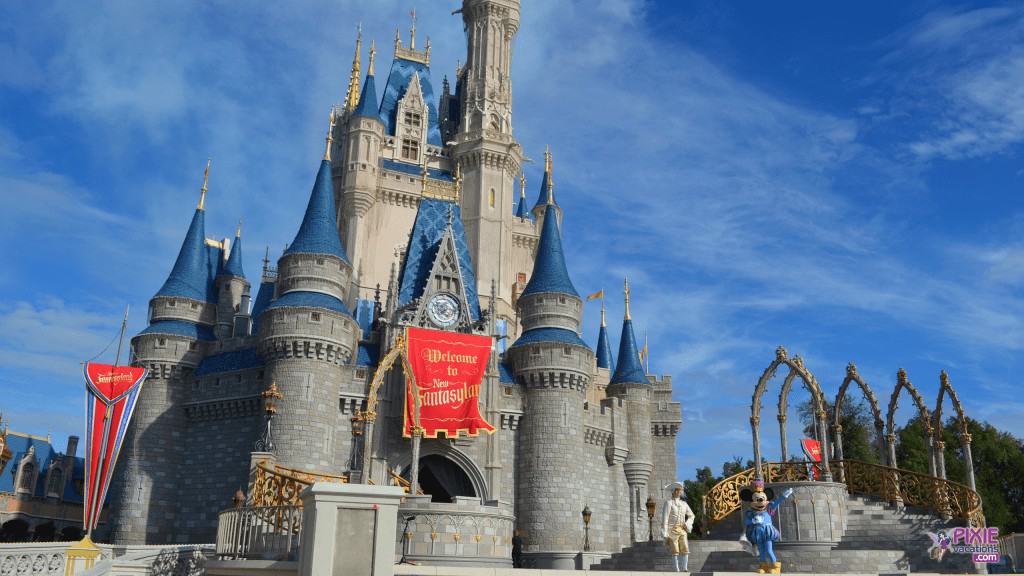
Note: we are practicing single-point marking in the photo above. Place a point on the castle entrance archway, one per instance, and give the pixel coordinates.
(442, 479)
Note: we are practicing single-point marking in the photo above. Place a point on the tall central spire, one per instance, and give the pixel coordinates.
(629, 369)
(352, 98)
(202, 191)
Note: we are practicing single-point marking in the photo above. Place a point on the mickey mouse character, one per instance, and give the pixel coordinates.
(758, 523)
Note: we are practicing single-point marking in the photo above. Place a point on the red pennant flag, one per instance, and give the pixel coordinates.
(447, 370)
(812, 449)
(111, 395)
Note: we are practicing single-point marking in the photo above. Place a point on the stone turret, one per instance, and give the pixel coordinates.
(629, 383)
(360, 164)
(307, 332)
(231, 286)
(144, 495)
(554, 366)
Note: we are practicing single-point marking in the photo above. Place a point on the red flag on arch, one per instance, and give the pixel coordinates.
(812, 449)
(447, 370)
(111, 395)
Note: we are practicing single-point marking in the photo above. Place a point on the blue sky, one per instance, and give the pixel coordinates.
(843, 180)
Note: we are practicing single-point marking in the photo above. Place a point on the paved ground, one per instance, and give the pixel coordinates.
(405, 570)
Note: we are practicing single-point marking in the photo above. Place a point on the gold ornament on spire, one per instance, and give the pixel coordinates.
(373, 55)
(602, 313)
(412, 30)
(330, 137)
(352, 98)
(522, 184)
(398, 38)
(238, 230)
(626, 292)
(202, 191)
(547, 172)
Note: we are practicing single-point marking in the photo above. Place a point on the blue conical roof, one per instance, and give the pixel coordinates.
(190, 277)
(318, 233)
(542, 196)
(263, 298)
(604, 350)
(522, 211)
(367, 100)
(234, 265)
(549, 272)
(629, 370)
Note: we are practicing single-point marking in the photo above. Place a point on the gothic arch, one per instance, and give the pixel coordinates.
(459, 458)
(890, 427)
(797, 369)
(965, 435)
(837, 427)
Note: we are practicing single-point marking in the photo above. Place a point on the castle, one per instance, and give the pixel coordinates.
(414, 220)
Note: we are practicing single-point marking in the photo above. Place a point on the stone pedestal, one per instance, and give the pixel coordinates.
(349, 529)
(814, 517)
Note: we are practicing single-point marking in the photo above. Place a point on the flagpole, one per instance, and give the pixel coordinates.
(647, 354)
(101, 467)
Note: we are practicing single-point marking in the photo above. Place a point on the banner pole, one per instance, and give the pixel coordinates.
(120, 340)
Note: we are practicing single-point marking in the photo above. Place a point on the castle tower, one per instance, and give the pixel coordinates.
(554, 366)
(358, 166)
(629, 382)
(484, 147)
(231, 285)
(144, 494)
(307, 332)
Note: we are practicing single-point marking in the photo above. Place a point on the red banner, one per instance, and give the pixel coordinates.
(111, 395)
(447, 370)
(812, 449)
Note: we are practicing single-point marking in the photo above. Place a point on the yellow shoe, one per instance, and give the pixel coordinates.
(777, 568)
(763, 568)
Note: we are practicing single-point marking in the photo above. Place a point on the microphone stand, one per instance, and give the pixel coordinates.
(405, 541)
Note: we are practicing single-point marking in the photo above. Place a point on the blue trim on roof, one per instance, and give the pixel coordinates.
(310, 300)
(559, 335)
(416, 170)
(505, 375)
(367, 106)
(604, 350)
(398, 82)
(263, 297)
(229, 362)
(369, 355)
(318, 233)
(45, 455)
(549, 271)
(189, 278)
(234, 265)
(179, 328)
(629, 370)
(424, 241)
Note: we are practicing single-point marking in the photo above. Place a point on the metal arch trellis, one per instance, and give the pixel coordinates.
(890, 427)
(837, 426)
(796, 366)
(965, 434)
(369, 416)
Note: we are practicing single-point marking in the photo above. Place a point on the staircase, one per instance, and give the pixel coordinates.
(880, 538)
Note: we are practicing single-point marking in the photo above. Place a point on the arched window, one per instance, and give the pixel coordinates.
(55, 484)
(27, 477)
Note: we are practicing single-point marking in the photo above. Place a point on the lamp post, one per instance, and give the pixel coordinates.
(586, 528)
(650, 518)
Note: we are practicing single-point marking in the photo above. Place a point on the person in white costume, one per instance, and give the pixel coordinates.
(677, 522)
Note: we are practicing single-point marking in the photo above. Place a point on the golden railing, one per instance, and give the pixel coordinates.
(276, 485)
(944, 497)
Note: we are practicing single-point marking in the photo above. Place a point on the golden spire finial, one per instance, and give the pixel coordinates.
(398, 38)
(412, 31)
(202, 191)
(522, 184)
(547, 171)
(352, 99)
(602, 311)
(626, 291)
(373, 55)
(238, 230)
(330, 138)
